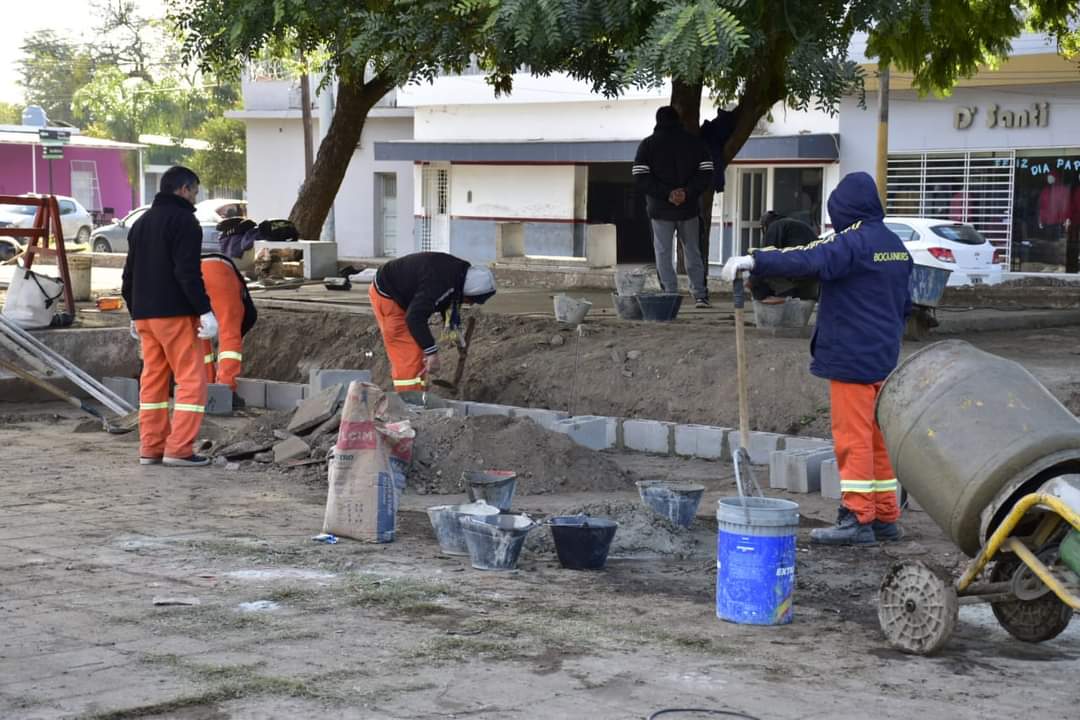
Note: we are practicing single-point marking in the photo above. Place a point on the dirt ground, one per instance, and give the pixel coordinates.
(682, 372)
(285, 627)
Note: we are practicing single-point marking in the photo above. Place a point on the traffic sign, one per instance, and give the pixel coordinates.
(50, 152)
(51, 137)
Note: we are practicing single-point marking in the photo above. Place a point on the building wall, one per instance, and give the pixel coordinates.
(17, 173)
(927, 124)
(275, 172)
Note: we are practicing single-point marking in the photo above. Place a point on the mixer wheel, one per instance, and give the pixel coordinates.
(917, 607)
(1036, 620)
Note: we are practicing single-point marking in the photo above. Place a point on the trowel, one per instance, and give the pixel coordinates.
(463, 353)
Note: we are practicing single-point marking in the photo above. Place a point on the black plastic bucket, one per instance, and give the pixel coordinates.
(659, 307)
(582, 542)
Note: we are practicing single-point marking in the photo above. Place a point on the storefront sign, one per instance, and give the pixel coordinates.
(1037, 115)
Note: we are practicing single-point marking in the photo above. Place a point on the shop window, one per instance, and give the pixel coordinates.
(797, 194)
(1046, 215)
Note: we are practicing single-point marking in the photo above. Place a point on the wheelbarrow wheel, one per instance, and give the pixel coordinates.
(1032, 620)
(917, 607)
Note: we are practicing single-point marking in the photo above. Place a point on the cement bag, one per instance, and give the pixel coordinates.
(367, 470)
(32, 299)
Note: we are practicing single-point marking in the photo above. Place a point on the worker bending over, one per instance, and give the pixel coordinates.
(782, 233)
(236, 314)
(407, 291)
(865, 300)
(170, 312)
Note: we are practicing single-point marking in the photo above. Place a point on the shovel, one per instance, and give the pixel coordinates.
(742, 454)
(463, 353)
(121, 425)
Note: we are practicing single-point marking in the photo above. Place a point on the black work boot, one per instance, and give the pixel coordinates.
(887, 531)
(847, 531)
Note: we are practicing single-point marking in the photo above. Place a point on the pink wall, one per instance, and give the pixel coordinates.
(16, 173)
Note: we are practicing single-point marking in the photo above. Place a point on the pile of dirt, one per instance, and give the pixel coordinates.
(544, 461)
(641, 532)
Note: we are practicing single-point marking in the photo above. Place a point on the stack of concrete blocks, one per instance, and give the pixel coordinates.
(701, 441)
(798, 470)
(762, 445)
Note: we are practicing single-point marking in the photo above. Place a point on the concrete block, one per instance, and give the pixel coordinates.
(651, 436)
(218, 399)
(284, 395)
(600, 246)
(798, 470)
(586, 430)
(252, 391)
(830, 480)
(126, 388)
(701, 441)
(291, 449)
(459, 407)
(477, 409)
(798, 442)
(435, 412)
(544, 418)
(320, 379)
(761, 444)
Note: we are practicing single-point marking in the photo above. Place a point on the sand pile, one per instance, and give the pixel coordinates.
(641, 533)
(544, 461)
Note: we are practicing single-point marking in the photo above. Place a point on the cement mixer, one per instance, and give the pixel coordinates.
(994, 459)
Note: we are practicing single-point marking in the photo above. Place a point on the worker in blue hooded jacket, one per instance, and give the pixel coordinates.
(864, 270)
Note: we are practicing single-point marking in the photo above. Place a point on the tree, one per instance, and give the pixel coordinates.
(371, 47)
(52, 68)
(222, 164)
(10, 114)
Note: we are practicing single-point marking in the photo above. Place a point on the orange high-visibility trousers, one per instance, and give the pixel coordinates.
(170, 349)
(227, 301)
(867, 479)
(406, 357)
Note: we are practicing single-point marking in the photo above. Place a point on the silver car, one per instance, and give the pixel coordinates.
(74, 218)
(113, 237)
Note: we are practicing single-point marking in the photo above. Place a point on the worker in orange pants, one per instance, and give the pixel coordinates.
(226, 290)
(867, 480)
(170, 349)
(406, 292)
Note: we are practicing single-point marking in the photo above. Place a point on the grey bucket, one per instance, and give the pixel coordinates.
(755, 559)
(446, 522)
(495, 541)
(629, 282)
(570, 310)
(627, 307)
(495, 487)
(676, 501)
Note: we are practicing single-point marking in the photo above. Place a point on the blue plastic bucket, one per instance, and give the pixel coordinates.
(928, 284)
(755, 560)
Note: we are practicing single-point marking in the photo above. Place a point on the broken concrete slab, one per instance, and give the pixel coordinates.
(252, 392)
(830, 480)
(243, 449)
(701, 441)
(218, 399)
(651, 436)
(292, 449)
(316, 409)
(284, 395)
(319, 379)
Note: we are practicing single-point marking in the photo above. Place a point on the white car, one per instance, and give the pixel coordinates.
(952, 246)
(74, 218)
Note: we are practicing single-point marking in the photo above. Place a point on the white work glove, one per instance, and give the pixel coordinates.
(736, 265)
(134, 331)
(208, 327)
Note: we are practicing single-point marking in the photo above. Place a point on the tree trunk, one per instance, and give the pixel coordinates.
(686, 99)
(355, 98)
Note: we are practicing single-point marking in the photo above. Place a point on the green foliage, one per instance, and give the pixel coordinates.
(52, 68)
(10, 114)
(223, 164)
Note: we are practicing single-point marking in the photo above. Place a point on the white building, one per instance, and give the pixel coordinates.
(556, 157)
(372, 215)
(1002, 152)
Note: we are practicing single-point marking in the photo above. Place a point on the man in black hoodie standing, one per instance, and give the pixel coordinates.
(672, 168)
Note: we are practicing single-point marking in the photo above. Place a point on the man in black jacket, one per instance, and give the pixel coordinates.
(782, 233)
(170, 312)
(672, 168)
(410, 289)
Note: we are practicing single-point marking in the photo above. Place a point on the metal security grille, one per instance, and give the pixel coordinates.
(971, 187)
(435, 199)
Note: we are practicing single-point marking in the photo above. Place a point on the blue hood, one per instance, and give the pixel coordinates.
(854, 199)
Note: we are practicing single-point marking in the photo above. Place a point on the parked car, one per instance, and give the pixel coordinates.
(953, 246)
(210, 212)
(113, 237)
(8, 248)
(74, 218)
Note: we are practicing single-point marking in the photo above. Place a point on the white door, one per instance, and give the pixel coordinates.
(751, 206)
(386, 214)
(435, 201)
